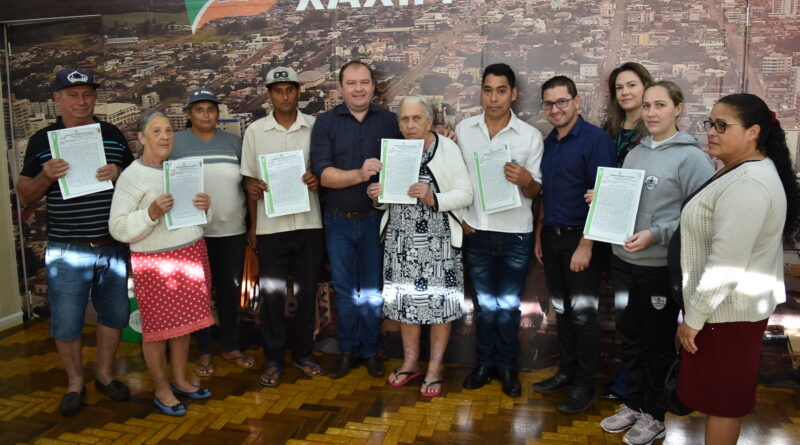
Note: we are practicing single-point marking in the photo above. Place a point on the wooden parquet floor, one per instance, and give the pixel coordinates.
(357, 409)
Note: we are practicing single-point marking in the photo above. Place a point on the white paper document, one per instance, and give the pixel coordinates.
(183, 179)
(495, 191)
(286, 193)
(612, 214)
(82, 148)
(400, 162)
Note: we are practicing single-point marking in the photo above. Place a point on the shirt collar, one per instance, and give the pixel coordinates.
(575, 131)
(271, 124)
(513, 124)
(60, 121)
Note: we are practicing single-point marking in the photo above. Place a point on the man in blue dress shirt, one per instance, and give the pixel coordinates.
(572, 264)
(345, 152)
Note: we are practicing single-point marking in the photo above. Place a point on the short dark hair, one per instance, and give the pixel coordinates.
(269, 87)
(560, 81)
(352, 63)
(500, 69)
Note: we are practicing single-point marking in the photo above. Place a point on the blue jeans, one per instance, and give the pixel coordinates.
(356, 258)
(74, 272)
(498, 263)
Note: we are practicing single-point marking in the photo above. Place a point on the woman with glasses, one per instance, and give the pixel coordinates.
(674, 167)
(732, 233)
(626, 85)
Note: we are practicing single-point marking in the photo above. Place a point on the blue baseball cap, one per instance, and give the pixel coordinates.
(201, 94)
(73, 77)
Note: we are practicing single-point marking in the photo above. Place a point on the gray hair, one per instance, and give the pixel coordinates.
(147, 116)
(422, 100)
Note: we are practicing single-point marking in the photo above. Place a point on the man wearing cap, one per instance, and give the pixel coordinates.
(81, 257)
(345, 152)
(221, 153)
(287, 245)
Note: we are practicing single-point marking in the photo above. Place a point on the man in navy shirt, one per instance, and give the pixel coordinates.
(345, 152)
(81, 257)
(572, 264)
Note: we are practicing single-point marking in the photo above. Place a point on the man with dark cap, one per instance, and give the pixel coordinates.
(81, 257)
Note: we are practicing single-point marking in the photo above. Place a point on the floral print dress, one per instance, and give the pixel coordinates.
(423, 273)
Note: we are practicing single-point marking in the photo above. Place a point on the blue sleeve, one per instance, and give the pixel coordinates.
(604, 154)
(321, 146)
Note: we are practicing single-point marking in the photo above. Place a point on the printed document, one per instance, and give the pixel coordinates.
(286, 193)
(612, 214)
(400, 162)
(82, 148)
(183, 179)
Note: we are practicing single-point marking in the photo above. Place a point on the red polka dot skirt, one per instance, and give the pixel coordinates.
(173, 290)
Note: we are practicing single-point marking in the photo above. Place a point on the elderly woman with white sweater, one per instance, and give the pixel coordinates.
(170, 267)
(422, 267)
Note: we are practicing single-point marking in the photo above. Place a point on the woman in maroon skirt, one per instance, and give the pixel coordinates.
(170, 267)
(732, 232)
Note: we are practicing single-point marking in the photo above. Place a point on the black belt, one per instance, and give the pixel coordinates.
(97, 243)
(354, 216)
(561, 230)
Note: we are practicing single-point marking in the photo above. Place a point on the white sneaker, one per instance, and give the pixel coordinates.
(623, 419)
(645, 431)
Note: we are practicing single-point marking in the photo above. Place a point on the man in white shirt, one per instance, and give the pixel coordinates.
(499, 244)
(287, 245)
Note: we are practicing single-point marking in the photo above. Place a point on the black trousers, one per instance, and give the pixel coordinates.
(647, 330)
(226, 257)
(298, 253)
(574, 297)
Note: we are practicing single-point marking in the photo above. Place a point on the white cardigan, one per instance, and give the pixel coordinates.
(732, 247)
(455, 189)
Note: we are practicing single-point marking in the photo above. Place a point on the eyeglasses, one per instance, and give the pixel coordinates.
(560, 103)
(719, 126)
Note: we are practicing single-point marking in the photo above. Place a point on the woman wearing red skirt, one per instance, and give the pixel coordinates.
(170, 267)
(732, 232)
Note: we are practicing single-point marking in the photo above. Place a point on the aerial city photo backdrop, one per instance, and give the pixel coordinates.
(148, 54)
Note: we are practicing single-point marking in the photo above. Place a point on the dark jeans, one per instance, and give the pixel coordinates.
(356, 258)
(574, 297)
(498, 265)
(297, 253)
(226, 257)
(647, 330)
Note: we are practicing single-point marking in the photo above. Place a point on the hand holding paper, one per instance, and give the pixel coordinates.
(202, 201)
(108, 172)
(285, 176)
(615, 201)
(160, 206)
(183, 179)
(82, 147)
(55, 169)
(370, 168)
(400, 162)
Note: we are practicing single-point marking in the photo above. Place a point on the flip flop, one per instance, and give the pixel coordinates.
(426, 385)
(270, 378)
(242, 360)
(309, 364)
(411, 375)
(204, 370)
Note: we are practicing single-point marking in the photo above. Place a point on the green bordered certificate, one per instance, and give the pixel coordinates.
(496, 193)
(82, 148)
(612, 214)
(286, 193)
(400, 162)
(183, 179)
